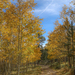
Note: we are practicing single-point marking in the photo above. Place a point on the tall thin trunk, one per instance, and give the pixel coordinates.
(65, 60)
(72, 42)
(51, 62)
(6, 67)
(27, 65)
(21, 46)
(9, 71)
(9, 67)
(18, 50)
(69, 58)
(19, 38)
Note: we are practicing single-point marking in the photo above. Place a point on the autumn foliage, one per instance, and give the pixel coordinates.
(19, 30)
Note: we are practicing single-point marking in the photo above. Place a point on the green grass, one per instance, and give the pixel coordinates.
(35, 71)
(64, 70)
(30, 71)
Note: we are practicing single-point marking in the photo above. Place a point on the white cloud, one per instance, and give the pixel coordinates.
(37, 10)
(45, 8)
(52, 8)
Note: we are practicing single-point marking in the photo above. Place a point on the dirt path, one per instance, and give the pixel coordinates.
(47, 71)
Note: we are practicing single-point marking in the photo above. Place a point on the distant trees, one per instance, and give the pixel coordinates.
(61, 40)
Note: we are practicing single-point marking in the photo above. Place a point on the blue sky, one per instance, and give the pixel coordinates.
(50, 11)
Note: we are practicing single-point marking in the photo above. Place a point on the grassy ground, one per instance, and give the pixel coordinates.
(38, 70)
(30, 71)
(64, 70)
(45, 70)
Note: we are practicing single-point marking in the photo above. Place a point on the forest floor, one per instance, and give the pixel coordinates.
(42, 70)
(47, 71)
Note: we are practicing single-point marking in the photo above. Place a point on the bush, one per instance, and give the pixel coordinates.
(63, 65)
(55, 65)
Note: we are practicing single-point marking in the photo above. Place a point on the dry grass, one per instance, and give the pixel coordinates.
(34, 71)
